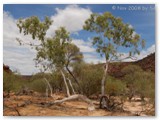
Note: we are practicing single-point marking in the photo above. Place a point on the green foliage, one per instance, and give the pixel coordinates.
(37, 82)
(12, 82)
(73, 54)
(7, 81)
(53, 49)
(34, 26)
(112, 33)
(89, 77)
(145, 84)
(115, 87)
(38, 85)
(55, 52)
(56, 81)
(129, 71)
(139, 81)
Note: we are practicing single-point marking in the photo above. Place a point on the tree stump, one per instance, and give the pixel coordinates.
(104, 102)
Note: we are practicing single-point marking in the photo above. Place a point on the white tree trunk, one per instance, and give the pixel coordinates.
(49, 86)
(104, 80)
(47, 92)
(74, 97)
(71, 86)
(65, 82)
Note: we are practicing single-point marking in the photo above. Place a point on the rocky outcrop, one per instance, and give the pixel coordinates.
(147, 64)
(6, 69)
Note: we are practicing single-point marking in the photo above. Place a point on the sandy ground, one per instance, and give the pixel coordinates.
(33, 106)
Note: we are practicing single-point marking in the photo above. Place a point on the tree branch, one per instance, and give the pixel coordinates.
(21, 42)
(71, 85)
(49, 86)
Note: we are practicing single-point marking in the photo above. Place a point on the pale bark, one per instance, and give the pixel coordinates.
(47, 92)
(75, 79)
(91, 106)
(104, 80)
(49, 86)
(71, 85)
(65, 82)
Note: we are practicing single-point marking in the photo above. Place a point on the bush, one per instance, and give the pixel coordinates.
(115, 87)
(7, 82)
(89, 77)
(12, 82)
(139, 82)
(130, 78)
(56, 81)
(145, 84)
(38, 85)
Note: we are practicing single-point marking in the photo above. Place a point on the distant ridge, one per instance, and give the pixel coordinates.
(147, 63)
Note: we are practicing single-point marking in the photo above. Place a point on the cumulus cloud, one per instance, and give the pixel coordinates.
(72, 18)
(18, 57)
(22, 63)
(85, 46)
(21, 57)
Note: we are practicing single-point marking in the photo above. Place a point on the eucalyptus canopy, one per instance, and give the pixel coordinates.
(54, 52)
(111, 35)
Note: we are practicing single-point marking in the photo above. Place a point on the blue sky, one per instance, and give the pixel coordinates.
(141, 17)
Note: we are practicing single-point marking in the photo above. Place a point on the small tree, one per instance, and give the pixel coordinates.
(111, 34)
(54, 53)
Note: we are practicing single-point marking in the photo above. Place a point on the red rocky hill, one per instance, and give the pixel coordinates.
(147, 63)
(6, 69)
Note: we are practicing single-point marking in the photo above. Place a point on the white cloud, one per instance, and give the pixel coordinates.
(21, 57)
(93, 58)
(85, 46)
(145, 53)
(72, 18)
(130, 26)
(18, 57)
(21, 62)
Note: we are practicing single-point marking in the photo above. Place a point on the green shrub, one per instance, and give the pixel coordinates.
(56, 81)
(139, 82)
(145, 84)
(89, 77)
(12, 82)
(38, 85)
(114, 86)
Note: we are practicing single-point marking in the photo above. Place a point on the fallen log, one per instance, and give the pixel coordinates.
(91, 106)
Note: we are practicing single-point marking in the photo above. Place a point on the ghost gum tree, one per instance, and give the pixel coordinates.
(52, 53)
(111, 35)
(56, 53)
